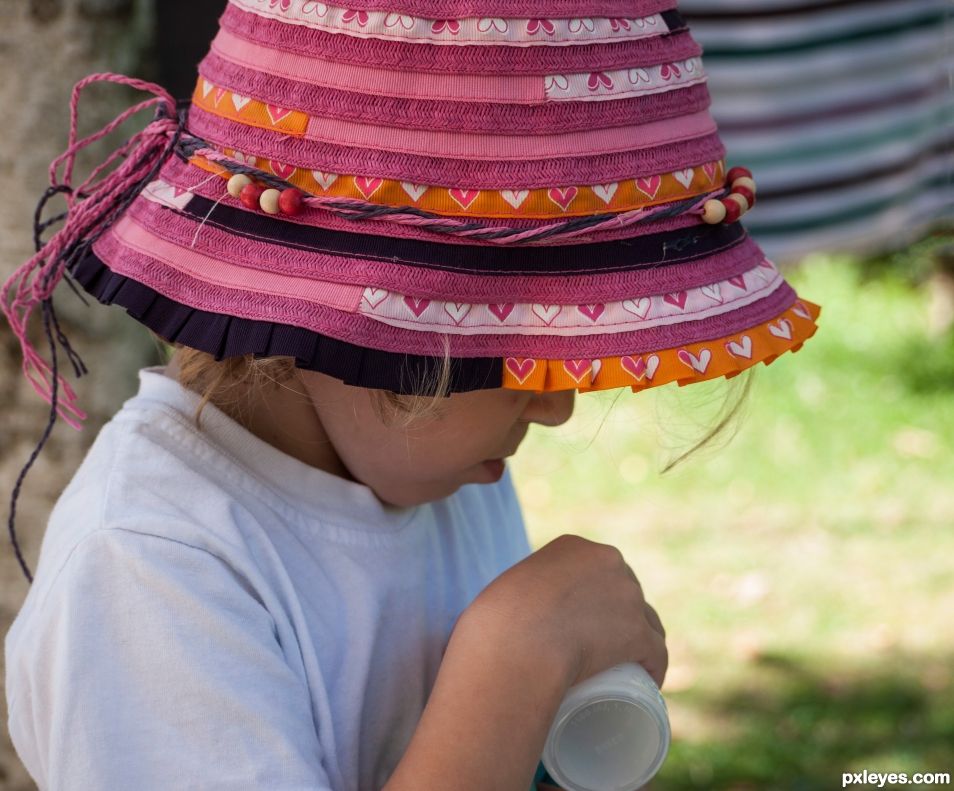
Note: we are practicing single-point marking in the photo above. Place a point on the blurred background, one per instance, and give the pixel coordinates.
(802, 564)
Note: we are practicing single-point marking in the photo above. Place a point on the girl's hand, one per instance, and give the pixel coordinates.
(580, 601)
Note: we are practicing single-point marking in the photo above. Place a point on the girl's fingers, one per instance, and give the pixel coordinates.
(656, 657)
(653, 617)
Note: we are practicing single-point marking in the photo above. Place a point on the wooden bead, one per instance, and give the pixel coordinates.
(732, 210)
(291, 202)
(743, 203)
(744, 181)
(269, 201)
(713, 212)
(745, 192)
(737, 172)
(237, 183)
(251, 193)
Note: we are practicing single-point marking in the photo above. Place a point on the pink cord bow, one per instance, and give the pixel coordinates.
(89, 206)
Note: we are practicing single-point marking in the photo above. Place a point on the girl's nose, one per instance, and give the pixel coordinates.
(550, 409)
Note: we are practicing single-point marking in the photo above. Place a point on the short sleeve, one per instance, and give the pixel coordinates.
(151, 664)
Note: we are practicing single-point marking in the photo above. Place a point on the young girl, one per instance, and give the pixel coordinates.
(383, 244)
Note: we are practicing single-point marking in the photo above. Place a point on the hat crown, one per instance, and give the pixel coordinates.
(476, 102)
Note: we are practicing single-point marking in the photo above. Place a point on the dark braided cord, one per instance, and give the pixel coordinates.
(120, 203)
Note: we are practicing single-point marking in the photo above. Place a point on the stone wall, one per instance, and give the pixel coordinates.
(45, 47)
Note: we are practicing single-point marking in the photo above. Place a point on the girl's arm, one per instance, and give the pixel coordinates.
(146, 663)
(488, 715)
(497, 694)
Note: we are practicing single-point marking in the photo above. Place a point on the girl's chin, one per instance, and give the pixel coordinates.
(411, 496)
(495, 468)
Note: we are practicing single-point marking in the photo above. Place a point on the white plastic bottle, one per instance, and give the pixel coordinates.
(611, 732)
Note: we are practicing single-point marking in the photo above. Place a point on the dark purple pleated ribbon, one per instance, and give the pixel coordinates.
(227, 336)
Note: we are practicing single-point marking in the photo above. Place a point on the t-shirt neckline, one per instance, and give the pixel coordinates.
(306, 488)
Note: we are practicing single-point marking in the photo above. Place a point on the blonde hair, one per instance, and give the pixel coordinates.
(224, 381)
(728, 418)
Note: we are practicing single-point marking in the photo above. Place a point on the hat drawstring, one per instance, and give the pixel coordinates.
(91, 208)
(362, 210)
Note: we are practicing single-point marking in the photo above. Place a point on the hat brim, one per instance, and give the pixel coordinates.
(230, 301)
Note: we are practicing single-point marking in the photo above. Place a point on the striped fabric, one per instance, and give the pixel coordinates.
(530, 189)
(844, 109)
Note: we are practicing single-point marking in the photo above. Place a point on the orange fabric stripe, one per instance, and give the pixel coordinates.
(248, 111)
(697, 362)
(552, 203)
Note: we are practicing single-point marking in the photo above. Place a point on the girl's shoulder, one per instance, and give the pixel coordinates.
(150, 471)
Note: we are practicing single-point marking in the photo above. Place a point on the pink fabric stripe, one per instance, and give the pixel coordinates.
(355, 328)
(520, 8)
(188, 177)
(385, 82)
(569, 320)
(456, 145)
(516, 32)
(547, 118)
(460, 59)
(411, 278)
(475, 174)
(220, 273)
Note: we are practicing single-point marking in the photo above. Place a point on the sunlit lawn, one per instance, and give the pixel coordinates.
(804, 571)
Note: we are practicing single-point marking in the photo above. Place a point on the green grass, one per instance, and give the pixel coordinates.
(803, 569)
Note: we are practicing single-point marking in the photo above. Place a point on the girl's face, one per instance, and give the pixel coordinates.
(327, 424)
(432, 458)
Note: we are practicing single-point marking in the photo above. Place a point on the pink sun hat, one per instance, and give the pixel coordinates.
(362, 188)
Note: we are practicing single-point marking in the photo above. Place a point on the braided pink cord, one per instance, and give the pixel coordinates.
(458, 227)
(34, 282)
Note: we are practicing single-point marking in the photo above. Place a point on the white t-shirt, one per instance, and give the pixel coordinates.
(210, 613)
